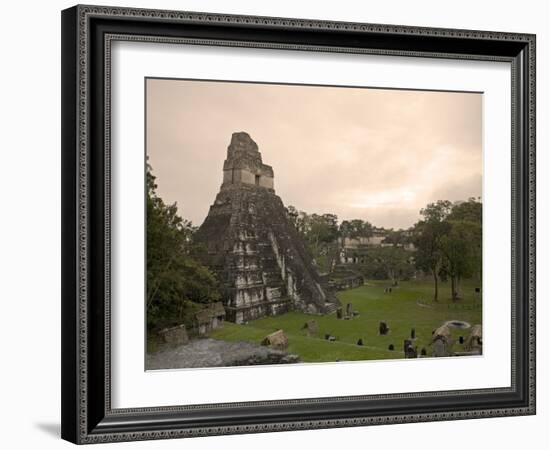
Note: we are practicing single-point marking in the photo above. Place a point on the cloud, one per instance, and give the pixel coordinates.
(375, 154)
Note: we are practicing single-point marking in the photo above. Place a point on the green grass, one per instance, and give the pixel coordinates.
(400, 310)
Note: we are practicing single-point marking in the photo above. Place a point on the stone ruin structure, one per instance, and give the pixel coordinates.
(262, 262)
(209, 318)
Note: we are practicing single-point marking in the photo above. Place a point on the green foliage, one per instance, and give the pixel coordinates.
(397, 238)
(321, 233)
(436, 212)
(394, 261)
(322, 237)
(176, 282)
(355, 228)
(461, 246)
(448, 242)
(469, 211)
(428, 235)
(370, 269)
(322, 229)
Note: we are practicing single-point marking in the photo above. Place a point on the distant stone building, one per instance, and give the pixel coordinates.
(376, 240)
(262, 261)
(356, 250)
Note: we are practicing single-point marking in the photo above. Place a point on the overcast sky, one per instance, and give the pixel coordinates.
(373, 154)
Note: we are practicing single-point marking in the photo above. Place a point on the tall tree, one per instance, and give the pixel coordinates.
(323, 229)
(428, 235)
(174, 279)
(462, 245)
(322, 235)
(468, 211)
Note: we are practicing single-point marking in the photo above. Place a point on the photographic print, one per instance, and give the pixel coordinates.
(286, 198)
(291, 224)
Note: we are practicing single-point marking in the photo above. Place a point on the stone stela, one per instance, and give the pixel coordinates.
(262, 262)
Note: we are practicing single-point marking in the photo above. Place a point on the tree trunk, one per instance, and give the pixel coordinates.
(392, 277)
(454, 288)
(436, 285)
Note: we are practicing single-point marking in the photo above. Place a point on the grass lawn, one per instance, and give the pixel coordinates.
(409, 305)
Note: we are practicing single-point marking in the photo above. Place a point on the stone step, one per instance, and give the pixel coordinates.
(247, 286)
(270, 264)
(280, 300)
(331, 307)
(270, 279)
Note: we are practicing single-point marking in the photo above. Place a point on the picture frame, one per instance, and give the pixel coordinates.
(87, 35)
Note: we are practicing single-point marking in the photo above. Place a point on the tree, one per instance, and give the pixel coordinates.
(448, 242)
(392, 257)
(394, 260)
(471, 211)
(468, 211)
(428, 234)
(355, 228)
(396, 238)
(323, 229)
(175, 281)
(300, 219)
(461, 246)
(322, 235)
(437, 211)
(293, 216)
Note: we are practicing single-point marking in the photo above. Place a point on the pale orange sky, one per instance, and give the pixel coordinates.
(373, 154)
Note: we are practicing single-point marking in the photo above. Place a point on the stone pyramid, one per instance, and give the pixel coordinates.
(262, 262)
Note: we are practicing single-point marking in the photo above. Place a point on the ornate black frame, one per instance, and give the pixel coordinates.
(87, 31)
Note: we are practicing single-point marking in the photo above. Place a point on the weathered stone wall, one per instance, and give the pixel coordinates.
(234, 176)
(244, 163)
(266, 182)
